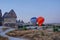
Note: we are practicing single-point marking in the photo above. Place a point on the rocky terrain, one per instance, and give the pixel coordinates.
(35, 34)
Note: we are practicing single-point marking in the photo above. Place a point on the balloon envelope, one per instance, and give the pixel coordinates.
(34, 20)
(40, 21)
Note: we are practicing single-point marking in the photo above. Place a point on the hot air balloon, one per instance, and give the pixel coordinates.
(40, 21)
(33, 20)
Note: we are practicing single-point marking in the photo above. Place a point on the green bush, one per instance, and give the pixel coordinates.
(24, 28)
(55, 29)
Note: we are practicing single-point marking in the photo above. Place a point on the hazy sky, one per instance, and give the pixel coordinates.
(25, 9)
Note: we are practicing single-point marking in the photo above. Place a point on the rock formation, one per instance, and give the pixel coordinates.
(0, 18)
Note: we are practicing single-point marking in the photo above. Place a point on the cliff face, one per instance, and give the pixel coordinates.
(10, 14)
(0, 13)
(0, 17)
(9, 18)
(5, 15)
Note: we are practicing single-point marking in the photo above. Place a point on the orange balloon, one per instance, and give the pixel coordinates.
(40, 21)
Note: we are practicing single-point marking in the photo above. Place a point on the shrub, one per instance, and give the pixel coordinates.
(24, 28)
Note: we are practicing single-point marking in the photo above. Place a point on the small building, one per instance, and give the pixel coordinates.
(9, 19)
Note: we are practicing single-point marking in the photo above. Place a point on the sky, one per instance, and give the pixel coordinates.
(26, 9)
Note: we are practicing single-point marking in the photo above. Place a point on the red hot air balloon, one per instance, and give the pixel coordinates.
(40, 21)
